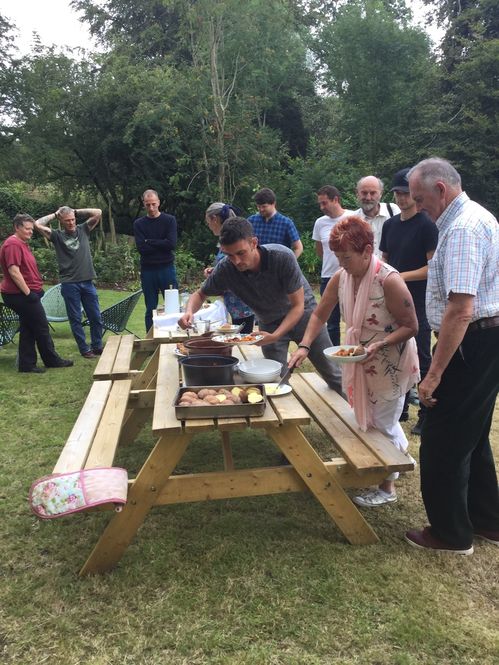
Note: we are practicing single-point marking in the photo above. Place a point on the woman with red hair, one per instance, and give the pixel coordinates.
(379, 313)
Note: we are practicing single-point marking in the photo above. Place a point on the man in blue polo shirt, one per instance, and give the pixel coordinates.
(270, 227)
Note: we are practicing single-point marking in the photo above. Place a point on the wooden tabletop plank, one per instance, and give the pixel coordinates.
(348, 443)
(121, 367)
(392, 458)
(108, 432)
(104, 367)
(75, 452)
(164, 418)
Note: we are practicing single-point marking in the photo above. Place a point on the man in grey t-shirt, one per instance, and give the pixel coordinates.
(269, 280)
(76, 271)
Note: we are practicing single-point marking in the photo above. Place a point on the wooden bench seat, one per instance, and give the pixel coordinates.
(94, 438)
(116, 359)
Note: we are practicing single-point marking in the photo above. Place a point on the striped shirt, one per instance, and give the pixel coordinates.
(466, 260)
(278, 230)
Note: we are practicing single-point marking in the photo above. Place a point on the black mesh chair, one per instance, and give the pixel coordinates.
(9, 324)
(116, 317)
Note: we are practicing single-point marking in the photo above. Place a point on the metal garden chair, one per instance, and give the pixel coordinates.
(54, 305)
(9, 324)
(115, 318)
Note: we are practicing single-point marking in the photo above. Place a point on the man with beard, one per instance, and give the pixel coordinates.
(372, 209)
(272, 227)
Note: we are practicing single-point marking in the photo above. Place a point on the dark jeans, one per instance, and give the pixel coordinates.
(247, 322)
(76, 295)
(155, 281)
(458, 477)
(34, 330)
(333, 323)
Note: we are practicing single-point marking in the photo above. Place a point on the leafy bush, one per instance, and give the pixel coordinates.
(47, 263)
(115, 264)
(189, 269)
(310, 263)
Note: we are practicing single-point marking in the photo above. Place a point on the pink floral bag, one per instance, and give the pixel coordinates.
(65, 493)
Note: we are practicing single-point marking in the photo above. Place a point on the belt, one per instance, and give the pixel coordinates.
(481, 324)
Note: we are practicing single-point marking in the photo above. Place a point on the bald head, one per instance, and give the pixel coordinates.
(369, 193)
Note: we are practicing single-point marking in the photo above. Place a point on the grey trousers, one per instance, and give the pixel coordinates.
(330, 372)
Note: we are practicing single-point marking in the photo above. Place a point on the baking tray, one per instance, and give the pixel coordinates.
(221, 411)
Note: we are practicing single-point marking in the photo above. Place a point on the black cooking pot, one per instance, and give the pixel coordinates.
(208, 370)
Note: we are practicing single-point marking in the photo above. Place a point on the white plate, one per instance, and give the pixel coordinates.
(230, 330)
(236, 339)
(284, 389)
(331, 350)
(179, 353)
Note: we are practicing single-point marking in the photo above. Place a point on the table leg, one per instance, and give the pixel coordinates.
(227, 452)
(142, 496)
(323, 484)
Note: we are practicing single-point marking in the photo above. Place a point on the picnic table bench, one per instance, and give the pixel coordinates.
(116, 409)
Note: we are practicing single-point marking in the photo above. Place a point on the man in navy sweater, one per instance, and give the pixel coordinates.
(156, 239)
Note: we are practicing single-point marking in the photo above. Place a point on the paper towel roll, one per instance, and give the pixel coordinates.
(172, 302)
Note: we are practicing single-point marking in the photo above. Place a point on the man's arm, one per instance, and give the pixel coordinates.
(193, 305)
(297, 247)
(297, 301)
(418, 274)
(457, 317)
(19, 280)
(94, 216)
(41, 225)
(319, 249)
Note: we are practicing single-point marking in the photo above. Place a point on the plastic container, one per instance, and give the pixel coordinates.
(208, 370)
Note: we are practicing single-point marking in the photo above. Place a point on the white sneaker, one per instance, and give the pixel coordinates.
(375, 498)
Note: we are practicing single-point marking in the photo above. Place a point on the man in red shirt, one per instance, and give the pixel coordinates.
(21, 290)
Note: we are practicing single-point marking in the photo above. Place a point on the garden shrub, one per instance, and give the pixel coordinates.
(115, 264)
(47, 263)
(309, 262)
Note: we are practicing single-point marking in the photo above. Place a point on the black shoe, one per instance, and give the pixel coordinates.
(61, 363)
(88, 355)
(97, 352)
(417, 427)
(404, 417)
(33, 370)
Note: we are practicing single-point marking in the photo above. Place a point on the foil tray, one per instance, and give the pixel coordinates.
(222, 410)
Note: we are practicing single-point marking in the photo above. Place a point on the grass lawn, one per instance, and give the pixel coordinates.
(263, 581)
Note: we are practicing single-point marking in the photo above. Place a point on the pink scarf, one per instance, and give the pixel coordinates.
(354, 311)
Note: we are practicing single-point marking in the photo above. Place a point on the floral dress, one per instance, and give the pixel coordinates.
(394, 369)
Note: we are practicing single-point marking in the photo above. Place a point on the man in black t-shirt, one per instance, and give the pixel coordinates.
(408, 241)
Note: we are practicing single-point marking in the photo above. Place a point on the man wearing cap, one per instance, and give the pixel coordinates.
(458, 475)
(329, 200)
(372, 209)
(408, 241)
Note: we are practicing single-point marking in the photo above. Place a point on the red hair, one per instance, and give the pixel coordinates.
(352, 233)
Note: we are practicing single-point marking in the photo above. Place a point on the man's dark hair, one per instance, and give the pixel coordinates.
(235, 229)
(20, 218)
(330, 191)
(263, 196)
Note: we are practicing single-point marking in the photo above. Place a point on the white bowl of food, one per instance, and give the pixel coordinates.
(260, 370)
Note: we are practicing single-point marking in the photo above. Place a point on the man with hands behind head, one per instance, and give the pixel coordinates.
(76, 271)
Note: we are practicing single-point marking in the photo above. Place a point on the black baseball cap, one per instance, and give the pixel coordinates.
(400, 182)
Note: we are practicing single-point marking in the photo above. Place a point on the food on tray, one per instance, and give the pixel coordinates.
(226, 326)
(352, 351)
(182, 349)
(214, 397)
(236, 339)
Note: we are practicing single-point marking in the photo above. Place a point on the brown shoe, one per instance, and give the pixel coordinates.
(489, 536)
(89, 355)
(426, 541)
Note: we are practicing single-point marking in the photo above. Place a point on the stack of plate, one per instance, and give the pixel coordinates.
(259, 370)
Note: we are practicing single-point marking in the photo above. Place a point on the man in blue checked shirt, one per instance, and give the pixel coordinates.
(270, 227)
(458, 477)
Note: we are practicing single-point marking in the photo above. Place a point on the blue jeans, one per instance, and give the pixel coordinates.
(154, 281)
(333, 323)
(76, 295)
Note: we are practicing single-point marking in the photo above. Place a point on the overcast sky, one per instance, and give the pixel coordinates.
(54, 20)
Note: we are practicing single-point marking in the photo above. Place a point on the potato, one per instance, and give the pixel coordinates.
(254, 398)
(203, 393)
(236, 399)
(255, 390)
(211, 399)
(236, 390)
(199, 402)
(185, 402)
(243, 396)
(189, 393)
(221, 398)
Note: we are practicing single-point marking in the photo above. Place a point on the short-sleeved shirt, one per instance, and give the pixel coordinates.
(266, 291)
(378, 221)
(466, 260)
(73, 254)
(407, 242)
(322, 230)
(15, 252)
(279, 229)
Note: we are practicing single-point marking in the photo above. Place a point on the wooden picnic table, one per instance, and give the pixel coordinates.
(119, 406)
